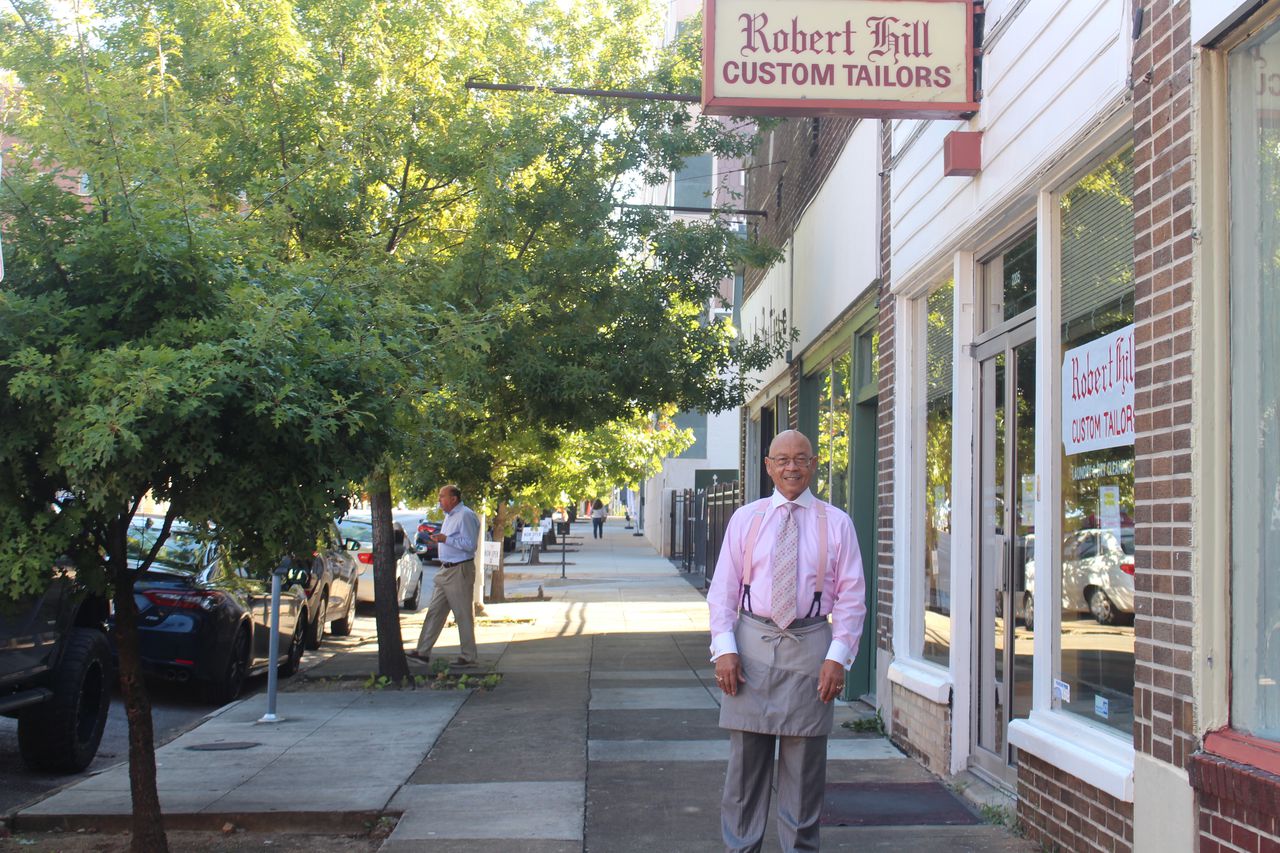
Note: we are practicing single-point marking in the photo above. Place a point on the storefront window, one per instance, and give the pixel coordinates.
(937, 475)
(831, 480)
(1255, 385)
(1009, 280)
(1095, 671)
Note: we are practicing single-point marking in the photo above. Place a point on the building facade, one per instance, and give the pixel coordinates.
(1074, 473)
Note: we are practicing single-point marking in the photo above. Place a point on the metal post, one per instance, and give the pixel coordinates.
(273, 653)
(564, 547)
(640, 511)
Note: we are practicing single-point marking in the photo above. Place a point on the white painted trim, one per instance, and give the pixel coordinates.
(904, 481)
(1048, 453)
(964, 391)
(922, 678)
(1091, 754)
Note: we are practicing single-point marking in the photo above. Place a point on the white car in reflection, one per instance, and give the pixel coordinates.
(1097, 576)
(408, 566)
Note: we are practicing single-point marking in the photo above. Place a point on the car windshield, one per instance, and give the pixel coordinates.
(355, 529)
(180, 552)
(1126, 540)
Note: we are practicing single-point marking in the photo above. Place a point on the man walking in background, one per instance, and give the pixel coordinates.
(787, 606)
(455, 579)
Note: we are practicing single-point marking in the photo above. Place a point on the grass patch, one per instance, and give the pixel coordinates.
(866, 725)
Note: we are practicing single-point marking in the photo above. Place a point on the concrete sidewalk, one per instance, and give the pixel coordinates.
(602, 736)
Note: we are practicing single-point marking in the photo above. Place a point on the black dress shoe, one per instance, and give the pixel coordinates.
(418, 656)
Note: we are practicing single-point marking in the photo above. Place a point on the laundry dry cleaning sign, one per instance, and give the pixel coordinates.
(870, 58)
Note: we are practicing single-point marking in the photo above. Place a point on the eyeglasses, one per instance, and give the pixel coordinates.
(784, 461)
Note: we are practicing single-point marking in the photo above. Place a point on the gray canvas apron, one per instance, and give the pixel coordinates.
(779, 691)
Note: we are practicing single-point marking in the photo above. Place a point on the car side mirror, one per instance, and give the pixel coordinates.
(353, 545)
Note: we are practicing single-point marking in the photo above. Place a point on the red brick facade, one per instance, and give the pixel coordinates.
(884, 465)
(1164, 725)
(1061, 813)
(1239, 806)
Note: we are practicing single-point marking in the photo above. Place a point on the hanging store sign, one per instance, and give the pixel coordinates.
(868, 58)
(1097, 393)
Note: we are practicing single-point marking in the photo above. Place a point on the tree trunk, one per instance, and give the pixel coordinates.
(498, 583)
(392, 662)
(148, 831)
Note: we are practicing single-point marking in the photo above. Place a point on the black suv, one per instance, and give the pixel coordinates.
(56, 675)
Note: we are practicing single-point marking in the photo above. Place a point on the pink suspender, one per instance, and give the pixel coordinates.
(753, 533)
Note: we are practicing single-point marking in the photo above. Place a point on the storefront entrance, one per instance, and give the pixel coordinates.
(1006, 499)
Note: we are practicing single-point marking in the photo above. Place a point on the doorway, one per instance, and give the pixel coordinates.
(1006, 492)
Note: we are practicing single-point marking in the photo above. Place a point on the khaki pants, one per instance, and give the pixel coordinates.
(453, 591)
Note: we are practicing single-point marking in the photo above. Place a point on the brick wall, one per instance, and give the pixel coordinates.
(1061, 813)
(885, 450)
(922, 729)
(1163, 197)
(785, 172)
(1237, 806)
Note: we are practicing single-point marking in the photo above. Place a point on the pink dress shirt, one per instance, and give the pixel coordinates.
(843, 592)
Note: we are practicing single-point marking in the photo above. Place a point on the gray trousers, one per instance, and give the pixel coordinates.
(454, 590)
(802, 778)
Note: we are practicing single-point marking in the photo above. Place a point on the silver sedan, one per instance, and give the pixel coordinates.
(408, 566)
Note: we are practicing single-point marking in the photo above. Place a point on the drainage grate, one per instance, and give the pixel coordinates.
(893, 804)
(223, 745)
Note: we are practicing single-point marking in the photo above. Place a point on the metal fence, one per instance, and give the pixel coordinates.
(697, 524)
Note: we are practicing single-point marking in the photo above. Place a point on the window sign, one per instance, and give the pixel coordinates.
(1097, 393)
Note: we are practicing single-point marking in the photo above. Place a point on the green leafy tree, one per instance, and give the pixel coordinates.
(152, 343)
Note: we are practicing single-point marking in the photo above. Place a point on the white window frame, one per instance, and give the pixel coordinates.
(1050, 734)
(909, 669)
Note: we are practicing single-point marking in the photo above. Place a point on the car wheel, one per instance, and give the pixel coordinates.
(62, 735)
(411, 603)
(342, 627)
(294, 660)
(1101, 607)
(228, 689)
(1029, 611)
(316, 628)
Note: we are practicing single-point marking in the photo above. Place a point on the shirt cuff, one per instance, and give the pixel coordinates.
(723, 644)
(841, 654)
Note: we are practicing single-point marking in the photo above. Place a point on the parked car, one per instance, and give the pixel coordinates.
(56, 674)
(408, 565)
(427, 549)
(1097, 576)
(205, 620)
(331, 590)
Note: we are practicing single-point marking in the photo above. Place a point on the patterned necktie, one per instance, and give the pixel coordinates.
(782, 603)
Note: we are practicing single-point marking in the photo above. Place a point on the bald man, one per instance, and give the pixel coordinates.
(787, 607)
(455, 581)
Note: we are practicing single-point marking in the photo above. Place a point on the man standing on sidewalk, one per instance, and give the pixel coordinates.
(455, 580)
(787, 606)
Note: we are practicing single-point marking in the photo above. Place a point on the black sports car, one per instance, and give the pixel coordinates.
(203, 619)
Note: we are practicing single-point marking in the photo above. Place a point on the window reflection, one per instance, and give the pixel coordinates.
(1096, 554)
(937, 475)
(831, 479)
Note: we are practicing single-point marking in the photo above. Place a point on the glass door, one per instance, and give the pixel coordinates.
(1006, 500)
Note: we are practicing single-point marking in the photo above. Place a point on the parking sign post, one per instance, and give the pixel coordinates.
(273, 646)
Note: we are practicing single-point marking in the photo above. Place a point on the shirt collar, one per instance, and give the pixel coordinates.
(804, 499)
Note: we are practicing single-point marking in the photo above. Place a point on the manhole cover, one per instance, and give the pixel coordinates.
(893, 804)
(224, 745)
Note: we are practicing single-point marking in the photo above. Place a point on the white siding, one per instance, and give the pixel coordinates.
(1051, 75)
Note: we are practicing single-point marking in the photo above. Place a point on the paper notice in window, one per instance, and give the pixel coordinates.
(1109, 508)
